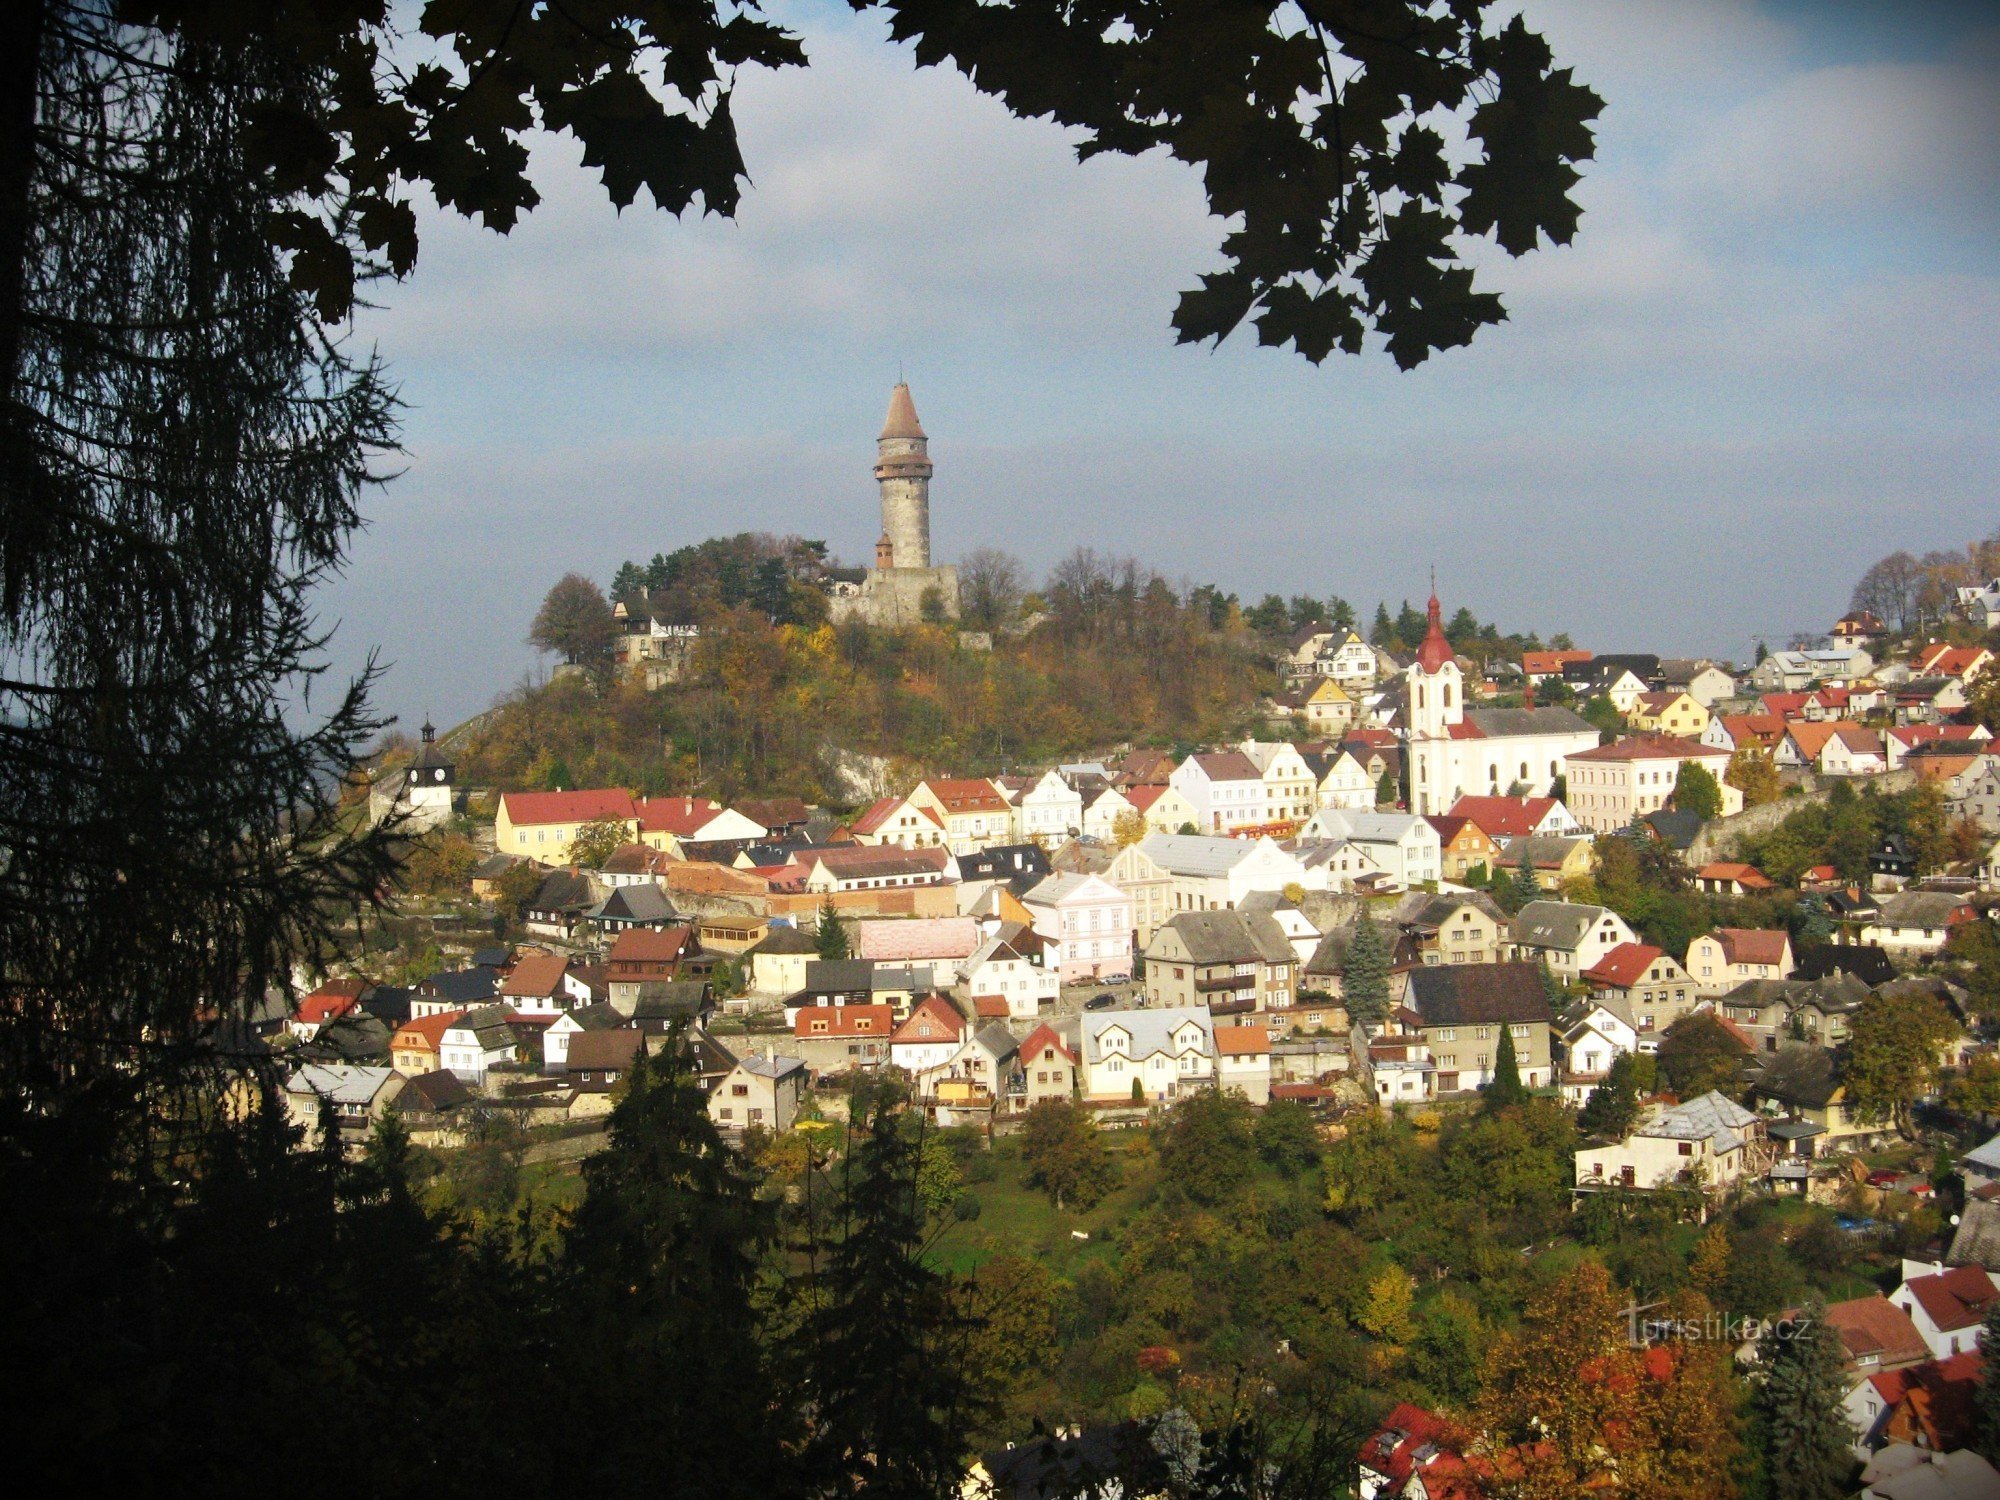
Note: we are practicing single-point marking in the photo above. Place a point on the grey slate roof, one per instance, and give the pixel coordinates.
(1472, 994)
(1507, 723)
(1151, 1029)
(997, 1040)
(786, 940)
(1232, 937)
(1435, 911)
(1194, 853)
(1676, 829)
(669, 999)
(774, 1068)
(1920, 908)
(1556, 924)
(1799, 1075)
(1711, 1117)
(1977, 1242)
(340, 1082)
(634, 903)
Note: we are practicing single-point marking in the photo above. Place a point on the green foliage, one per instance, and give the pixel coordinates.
(889, 1392)
(1364, 974)
(1613, 1106)
(1987, 1438)
(1287, 1138)
(1524, 886)
(1207, 1147)
(574, 622)
(1698, 1053)
(1064, 1154)
(1696, 791)
(597, 841)
(1894, 1050)
(830, 933)
(662, 1265)
(1123, 655)
(1449, 1349)
(1807, 1455)
(516, 887)
(938, 1175)
(1504, 1089)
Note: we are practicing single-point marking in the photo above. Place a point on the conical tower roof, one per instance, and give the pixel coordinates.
(902, 421)
(1436, 650)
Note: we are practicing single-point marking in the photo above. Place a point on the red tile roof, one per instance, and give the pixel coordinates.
(846, 1020)
(536, 975)
(935, 1019)
(1955, 1299)
(1761, 731)
(1747, 876)
(1241, 1041)
(643, 945)
(1549, 663)
(1044, 1036)
(331, 1001)
(567, 807)
(1624, 966)
(424, 1033)
(679, 816)
(990, 1007)
(1752, 945)
(1504, 817)
(967, 795)
(1875, 1325)
(875, 815)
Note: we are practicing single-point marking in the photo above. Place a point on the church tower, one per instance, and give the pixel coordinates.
(1436, 706)
(903, 470)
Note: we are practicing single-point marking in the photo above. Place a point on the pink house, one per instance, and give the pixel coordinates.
(1087, 922)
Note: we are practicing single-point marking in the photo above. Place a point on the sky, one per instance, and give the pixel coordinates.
(1771, 356)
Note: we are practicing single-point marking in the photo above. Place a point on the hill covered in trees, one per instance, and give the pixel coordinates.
(1103, 651)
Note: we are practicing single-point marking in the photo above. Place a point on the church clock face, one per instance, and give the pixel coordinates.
(438, 774)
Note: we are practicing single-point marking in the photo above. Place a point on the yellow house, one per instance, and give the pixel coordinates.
(1164, 808)
(1670, 712)
(542, 825)
(1328, 707)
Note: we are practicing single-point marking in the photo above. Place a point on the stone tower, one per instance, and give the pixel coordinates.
(903, 470)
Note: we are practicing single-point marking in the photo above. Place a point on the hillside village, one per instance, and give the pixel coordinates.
(1737, 925)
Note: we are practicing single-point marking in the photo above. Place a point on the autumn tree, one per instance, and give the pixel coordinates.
(441, 864)
(596, 841)
(574, 622)
(991, 584)
(1895, 1049)
(1976, 1089)
(1699, 1053)
(1387, 1308)
(1753, 773)
(1128, 827)
(517, 886)
(1695, 791)
(1808, 1453)
(1064, 1155)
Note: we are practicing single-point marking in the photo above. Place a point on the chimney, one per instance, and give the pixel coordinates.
(885, 552)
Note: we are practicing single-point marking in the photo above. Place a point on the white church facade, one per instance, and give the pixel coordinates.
(1452, 751)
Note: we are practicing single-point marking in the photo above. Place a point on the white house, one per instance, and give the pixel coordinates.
(1568, 936)
(996, 969)
(1225, 788)
(476, 1042)
(1947, 1304)
(1243, 1061)
(1164, 1051)
(1610, 785)
(570, 1024)
(1916, 921)
(1088, 924)
(1590, 1043)
(1711, 1142)
(1050, 812)
(1346, 784)
(1403, 846)
(1100, 817)
(1209, 873)
(1291, 791)
(929, 1038)
(1981, 604)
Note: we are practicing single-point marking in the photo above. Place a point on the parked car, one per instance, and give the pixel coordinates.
(1100, 1002)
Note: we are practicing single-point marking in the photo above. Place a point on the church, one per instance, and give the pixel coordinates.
(902, 588)
(1452, 751)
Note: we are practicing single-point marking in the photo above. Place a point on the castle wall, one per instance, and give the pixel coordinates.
(893, 598)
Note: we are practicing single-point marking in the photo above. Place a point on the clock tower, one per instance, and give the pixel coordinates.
(428, 785)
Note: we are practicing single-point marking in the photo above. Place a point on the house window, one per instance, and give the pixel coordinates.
(739, 1090)
(1686, 1148)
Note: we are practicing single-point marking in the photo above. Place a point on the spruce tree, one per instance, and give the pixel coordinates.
(886, 1340)
(1807, 1454)
(1526, 887)
(661, 1280)
(830, 935)
(1364, 975)
(1506, 1087)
